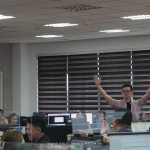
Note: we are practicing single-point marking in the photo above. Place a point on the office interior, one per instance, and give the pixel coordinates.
(20, 49)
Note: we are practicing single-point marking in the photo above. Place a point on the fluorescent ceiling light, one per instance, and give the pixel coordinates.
(49, 36)
(61, 25)
(6, 17)
(138, 17)
(114, 31)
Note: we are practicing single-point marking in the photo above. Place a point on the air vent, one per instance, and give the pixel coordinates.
(79, 7)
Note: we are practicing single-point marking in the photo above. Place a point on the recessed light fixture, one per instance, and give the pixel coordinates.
(137, 17)
(6, 17)
(114, 31)
(61, 25)
(49, 36)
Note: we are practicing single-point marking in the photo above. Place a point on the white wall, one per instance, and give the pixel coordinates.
(25, 80)
(20, 79)
(16, 77)
(31, 51)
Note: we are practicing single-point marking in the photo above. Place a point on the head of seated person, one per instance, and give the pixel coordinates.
(124, 124)
(3, 120)
(13, 136)
(13, 118)
(81, 116)
(35, 129)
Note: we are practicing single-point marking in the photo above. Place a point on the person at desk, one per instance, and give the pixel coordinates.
(124, 124)
(3, 120)
(35, 129)
(127, 102)
(10, 138)
(13, 118)
(121, 125)
(104, 126)
(80, 114)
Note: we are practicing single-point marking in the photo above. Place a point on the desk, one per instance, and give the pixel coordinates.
(58, 133)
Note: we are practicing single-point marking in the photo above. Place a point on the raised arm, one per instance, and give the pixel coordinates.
(145, 97)
(101, 91)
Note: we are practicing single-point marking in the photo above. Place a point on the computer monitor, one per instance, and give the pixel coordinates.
(140, 126)
(4, 127)
(129, 141)
(20, 128)
(38, 114)
(58, 119)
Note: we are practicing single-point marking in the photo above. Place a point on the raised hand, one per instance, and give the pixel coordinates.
(82, 133)
(96, 80)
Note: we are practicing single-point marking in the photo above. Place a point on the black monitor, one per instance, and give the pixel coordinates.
(22, 118)
(4, 127)
(58, 119)
(38, 114)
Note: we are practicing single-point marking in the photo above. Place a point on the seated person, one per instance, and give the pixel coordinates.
(124, 124)
(13, 118)
(35, 129)
(80, 114)
(3, 120)
(10, 138)
(121, 125)
(104, 126)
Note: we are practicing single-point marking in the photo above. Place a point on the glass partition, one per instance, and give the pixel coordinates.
(79, 131)
(10, 120)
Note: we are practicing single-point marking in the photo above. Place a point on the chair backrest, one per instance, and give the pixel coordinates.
(24, 122)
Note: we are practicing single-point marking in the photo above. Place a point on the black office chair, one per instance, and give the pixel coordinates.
(24, 122)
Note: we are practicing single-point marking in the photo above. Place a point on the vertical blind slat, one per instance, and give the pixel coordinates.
(52, 83)
(81, 69)
(141, 74)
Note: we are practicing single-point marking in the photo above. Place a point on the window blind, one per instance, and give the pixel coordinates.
(52, 94)
(65, 83)
(83, 94)
(114, 70)
(141, 74)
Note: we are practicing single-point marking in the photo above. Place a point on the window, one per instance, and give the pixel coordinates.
(65, 83)
(141, 75)
(115, 70)
(83, 94)
(52, 95)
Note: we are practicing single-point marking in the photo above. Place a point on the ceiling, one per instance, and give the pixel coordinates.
(32, 14)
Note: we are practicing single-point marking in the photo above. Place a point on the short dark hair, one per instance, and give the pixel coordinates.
(126, 119)
(10, 116)
(37, 121)
(127, 85)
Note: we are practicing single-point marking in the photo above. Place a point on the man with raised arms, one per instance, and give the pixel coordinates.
(127, 102)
